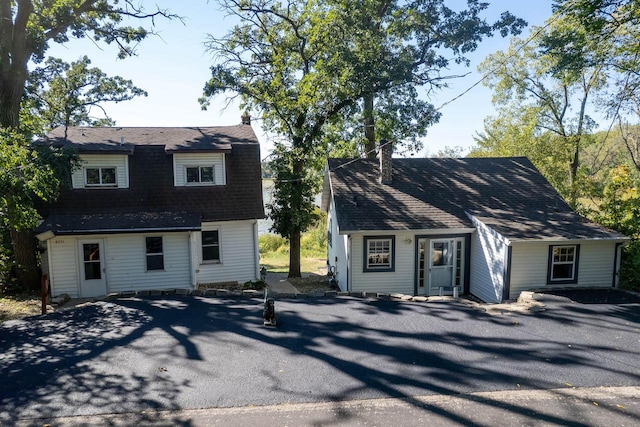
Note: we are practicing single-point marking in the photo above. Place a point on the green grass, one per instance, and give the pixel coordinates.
(274, 251)
(278, 262)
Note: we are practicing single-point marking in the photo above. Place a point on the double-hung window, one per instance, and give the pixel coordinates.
(379, 253)
(100, 177)
(211, 246)
(563, 264)
(155, 254)
(200, 175)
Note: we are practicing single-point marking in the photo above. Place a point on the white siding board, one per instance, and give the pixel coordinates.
(237, 253)
(530, 262)
(337, 251)
(399, 281)
(488, 257)
(126, 262)
(64, 266)
(119, 161)
(182, 160)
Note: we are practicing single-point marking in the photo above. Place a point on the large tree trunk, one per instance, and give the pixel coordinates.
(15, 52)
(573, 173)
(294, 254)
(24, 255)
(369, 127)
(11, 89)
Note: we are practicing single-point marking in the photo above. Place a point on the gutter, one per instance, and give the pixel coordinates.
(50, 234)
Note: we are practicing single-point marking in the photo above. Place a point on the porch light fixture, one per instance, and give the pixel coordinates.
(408, 240)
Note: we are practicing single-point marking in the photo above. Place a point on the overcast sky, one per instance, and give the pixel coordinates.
(174, 66)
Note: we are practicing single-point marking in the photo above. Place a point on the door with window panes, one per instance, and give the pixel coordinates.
(440, 264)
(93, 280)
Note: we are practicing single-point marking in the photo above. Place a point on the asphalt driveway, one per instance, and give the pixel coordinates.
(131, 355)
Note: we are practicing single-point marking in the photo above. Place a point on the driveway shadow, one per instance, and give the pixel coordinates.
(167, 353)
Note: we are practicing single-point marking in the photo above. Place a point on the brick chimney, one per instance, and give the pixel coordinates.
(246, 119)
(386, 167)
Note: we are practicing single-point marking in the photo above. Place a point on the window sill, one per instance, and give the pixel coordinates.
(563, 282)
(379, 270)
(210, 263)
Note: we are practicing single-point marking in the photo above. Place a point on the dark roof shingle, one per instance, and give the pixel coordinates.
(121, 222)
(174, 139)
(508, 194)
(151, 176)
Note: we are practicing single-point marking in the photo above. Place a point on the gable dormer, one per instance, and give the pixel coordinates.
(199, 169)
(98, 171)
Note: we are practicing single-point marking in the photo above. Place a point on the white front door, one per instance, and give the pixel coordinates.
(93, 281)
(441, 265)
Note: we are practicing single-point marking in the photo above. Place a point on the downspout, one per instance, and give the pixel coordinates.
(506, 290)
(256, 250)
(50, 266)
(616, 265)
(349, 263)
(192, 267)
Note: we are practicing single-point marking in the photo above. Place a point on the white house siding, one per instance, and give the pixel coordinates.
(63, 268)
(126, 262)
(238, 240)
(530, 262)
(399, 281)
(337, 250)
(119, 161)
(182, 160)
(488, 263)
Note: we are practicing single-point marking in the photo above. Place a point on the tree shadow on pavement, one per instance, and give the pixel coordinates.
(216, 350)
(48, 366)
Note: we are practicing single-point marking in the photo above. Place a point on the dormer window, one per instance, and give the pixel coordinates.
(100, 177)
(200, 175)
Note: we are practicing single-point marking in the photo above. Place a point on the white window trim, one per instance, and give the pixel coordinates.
(101, 185)
(390, 267)
(147, 254)
(574, 264)
(200, 183)
(208, 261)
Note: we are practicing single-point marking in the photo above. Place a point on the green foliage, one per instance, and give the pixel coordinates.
(291, 205)
(619, 209)
(312, 69)
(532, 87)
(63, 94)
(25, 33)
(603, 33)
(630, 266)
(270, 242)
(313, 242)
(451, 152)
(27, 174)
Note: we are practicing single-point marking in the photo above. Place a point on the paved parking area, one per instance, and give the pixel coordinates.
(131, 355)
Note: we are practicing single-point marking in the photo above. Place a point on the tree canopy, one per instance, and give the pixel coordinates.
(309, 68)
(26, 29)
(64, 94)
(584, 59)
(527, 80)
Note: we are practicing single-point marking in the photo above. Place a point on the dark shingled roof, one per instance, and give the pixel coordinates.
(507, 194)
(174, 139)
(121, 223)
(151, 183)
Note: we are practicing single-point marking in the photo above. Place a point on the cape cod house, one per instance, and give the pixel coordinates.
(154, 208)
(491, 227)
